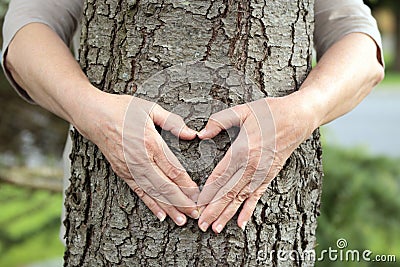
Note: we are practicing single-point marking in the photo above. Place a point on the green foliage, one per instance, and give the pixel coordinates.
(383, 3)
(360, 203)
(3, 8)
(392, 80)
(29, 225)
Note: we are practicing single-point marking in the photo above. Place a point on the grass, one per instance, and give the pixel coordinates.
(29, 225)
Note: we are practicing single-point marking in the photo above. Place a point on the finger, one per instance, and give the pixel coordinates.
(242, 181)
(159, 204)
(167, 192)
(159, 209)
(173, 169)
(178, 217)
(148, 175)
(230, 210)
(250, 205)
(154, 183)
(172, 122)
(223, 120)
(213, 210)
(220, 181)
(251, 174)
(147, 200)
(227, 193)
(223, 172)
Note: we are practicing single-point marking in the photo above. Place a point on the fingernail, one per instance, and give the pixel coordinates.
(219, 228)
(243, 227)
(195, 214)
(161, 216)
(180, 220)
(204, 226)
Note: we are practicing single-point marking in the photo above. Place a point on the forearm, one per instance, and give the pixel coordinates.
(43, 65)
(343, 77)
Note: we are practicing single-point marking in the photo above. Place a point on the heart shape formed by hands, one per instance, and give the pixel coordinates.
(201, 92)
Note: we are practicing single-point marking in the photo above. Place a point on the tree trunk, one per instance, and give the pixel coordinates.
(126, 42)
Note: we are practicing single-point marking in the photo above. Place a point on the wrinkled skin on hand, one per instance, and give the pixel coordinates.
(270, 130)
(137, 153)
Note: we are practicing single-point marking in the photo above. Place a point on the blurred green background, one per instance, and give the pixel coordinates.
(361, 191)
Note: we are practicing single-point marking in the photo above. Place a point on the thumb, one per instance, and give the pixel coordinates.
(173, 123)
(223, 120)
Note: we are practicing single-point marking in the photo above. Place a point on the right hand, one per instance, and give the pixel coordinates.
(123, 127)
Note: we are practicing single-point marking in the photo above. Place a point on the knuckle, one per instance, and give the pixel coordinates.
(229, 196)
(156, 108)
(253, 162)
(276, 167)
(121, 170)
(152, 142)
(252, 166)
(174, 173)
(174, 119)
(242, 196)
(255, 152)
(259, 194)
(225, 217)
(138, 191)
(177, 119)
(214, 117)
(152, 192)
(166, 188)
(219, 182)
(215, 120)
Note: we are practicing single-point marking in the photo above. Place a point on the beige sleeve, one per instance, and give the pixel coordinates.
(63, 16)
(335, 19)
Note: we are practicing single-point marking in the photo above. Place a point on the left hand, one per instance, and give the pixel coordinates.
(270, 130)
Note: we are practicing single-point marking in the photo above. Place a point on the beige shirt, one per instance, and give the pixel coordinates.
(333, 20)
(336, 18)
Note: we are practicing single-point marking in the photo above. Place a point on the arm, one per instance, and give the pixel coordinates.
(344, 75)
(42, 65)
(61, 16)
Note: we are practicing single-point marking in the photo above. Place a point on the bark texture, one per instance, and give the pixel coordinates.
(124, 43)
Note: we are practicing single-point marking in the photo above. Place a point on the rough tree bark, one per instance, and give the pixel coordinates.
(124, 43)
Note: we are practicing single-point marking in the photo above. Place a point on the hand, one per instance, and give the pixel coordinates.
(124, 129)
(270, 130)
